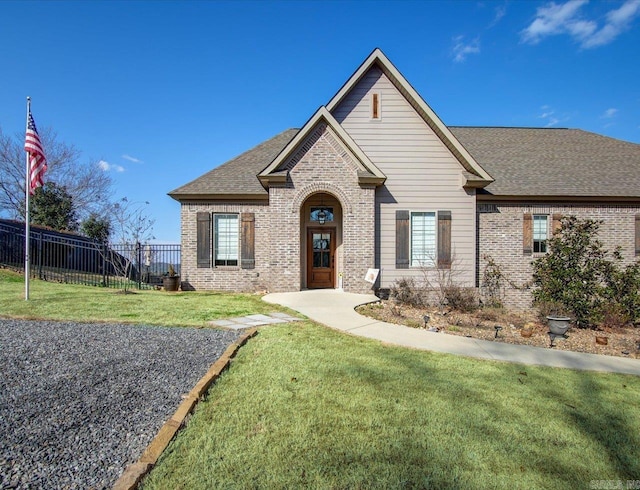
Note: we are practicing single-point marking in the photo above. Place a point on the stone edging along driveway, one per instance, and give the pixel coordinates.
(80, 402)
(135, 472)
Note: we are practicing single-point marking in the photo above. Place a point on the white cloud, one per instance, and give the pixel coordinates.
(500, 12)
(461, 50)
(555, 19)
(107, 167)
(618, 21)
(549, 116)
(609, 113)
(132, 159)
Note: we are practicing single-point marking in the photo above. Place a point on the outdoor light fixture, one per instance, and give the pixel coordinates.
(322, 216)
(498, 328)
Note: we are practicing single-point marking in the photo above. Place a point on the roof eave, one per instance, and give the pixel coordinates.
(486, 197)
(322, 114)
(476, 183)
(370, 179)
(219, 197)
(275, 178)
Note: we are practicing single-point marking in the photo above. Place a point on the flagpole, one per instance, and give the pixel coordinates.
(27, 227)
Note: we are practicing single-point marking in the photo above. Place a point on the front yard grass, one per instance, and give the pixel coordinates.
(303, 406)
(306, 407)
(70, 302)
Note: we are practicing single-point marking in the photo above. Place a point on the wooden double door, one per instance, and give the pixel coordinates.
(321, 258)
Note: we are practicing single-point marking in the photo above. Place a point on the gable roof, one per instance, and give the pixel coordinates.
(236, 179)
(368, 172)
(546, 162)
(525, 162)
(476, 175)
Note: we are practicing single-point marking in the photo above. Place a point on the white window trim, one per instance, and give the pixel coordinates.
(533, 233)
(432, 263)
(215, 242)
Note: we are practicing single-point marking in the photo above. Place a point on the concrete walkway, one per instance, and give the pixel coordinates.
(335, 309)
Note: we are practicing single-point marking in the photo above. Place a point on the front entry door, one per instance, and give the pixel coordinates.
(321, 249)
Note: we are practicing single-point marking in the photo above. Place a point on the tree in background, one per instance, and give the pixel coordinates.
(96, 227)
(52, 206)
(131, 222)
(88, 186)
(132, 229)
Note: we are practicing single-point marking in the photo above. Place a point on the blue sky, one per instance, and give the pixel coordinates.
(161, 92)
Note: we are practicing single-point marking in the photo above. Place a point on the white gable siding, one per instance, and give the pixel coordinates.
(422, 174)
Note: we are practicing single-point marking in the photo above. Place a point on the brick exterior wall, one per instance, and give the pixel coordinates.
(322, 165)
(224, 278)
(500, 236)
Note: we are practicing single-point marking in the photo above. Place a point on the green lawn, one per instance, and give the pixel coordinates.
(303, 406)
(85, 303)
(306, 407)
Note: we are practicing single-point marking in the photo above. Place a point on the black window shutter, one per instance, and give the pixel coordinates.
(444, 239)
(248, 241)
(203, 239)
(402, 239)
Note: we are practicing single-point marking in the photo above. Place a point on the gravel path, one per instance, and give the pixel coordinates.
(79, 402)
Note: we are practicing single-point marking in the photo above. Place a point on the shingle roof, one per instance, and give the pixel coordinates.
(523, 161)
(553, 162)
(238, 176)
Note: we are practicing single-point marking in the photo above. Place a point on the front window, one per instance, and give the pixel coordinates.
(226, 239)
(539, 233)
(423, 239)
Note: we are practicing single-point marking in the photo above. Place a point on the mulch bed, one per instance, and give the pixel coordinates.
(622, 342)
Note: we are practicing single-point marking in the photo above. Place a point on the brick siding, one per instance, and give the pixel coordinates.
(500, 236)
(321, 165)
(223, 278)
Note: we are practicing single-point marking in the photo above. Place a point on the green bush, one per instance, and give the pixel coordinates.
(621, 292)
(577, 278)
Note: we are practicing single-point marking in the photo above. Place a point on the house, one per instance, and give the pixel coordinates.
(375, 180)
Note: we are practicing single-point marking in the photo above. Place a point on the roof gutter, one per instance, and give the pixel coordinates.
(558, 198)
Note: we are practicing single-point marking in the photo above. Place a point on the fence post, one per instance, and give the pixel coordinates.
(103, 256)
(40, 252)
(139, 268)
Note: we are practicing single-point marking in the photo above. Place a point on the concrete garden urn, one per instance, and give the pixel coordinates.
(558, 325)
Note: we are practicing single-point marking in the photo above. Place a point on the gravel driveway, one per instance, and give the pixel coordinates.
(79, 402)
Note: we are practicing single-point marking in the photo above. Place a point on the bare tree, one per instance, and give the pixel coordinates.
(89, 187)
(446, 281)
(130, 222)
(131, 230)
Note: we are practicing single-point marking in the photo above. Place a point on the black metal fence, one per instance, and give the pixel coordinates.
(69, 258)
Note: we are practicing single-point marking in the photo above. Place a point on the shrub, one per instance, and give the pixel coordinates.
(577, 278)
(550, 308)
(570, 274)
(461, 299)
(621, 292)
(492, 278)
(405, 291)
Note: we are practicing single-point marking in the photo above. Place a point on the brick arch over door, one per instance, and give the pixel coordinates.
(316, 187)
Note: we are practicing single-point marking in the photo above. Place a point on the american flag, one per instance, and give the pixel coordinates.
(37, 160)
